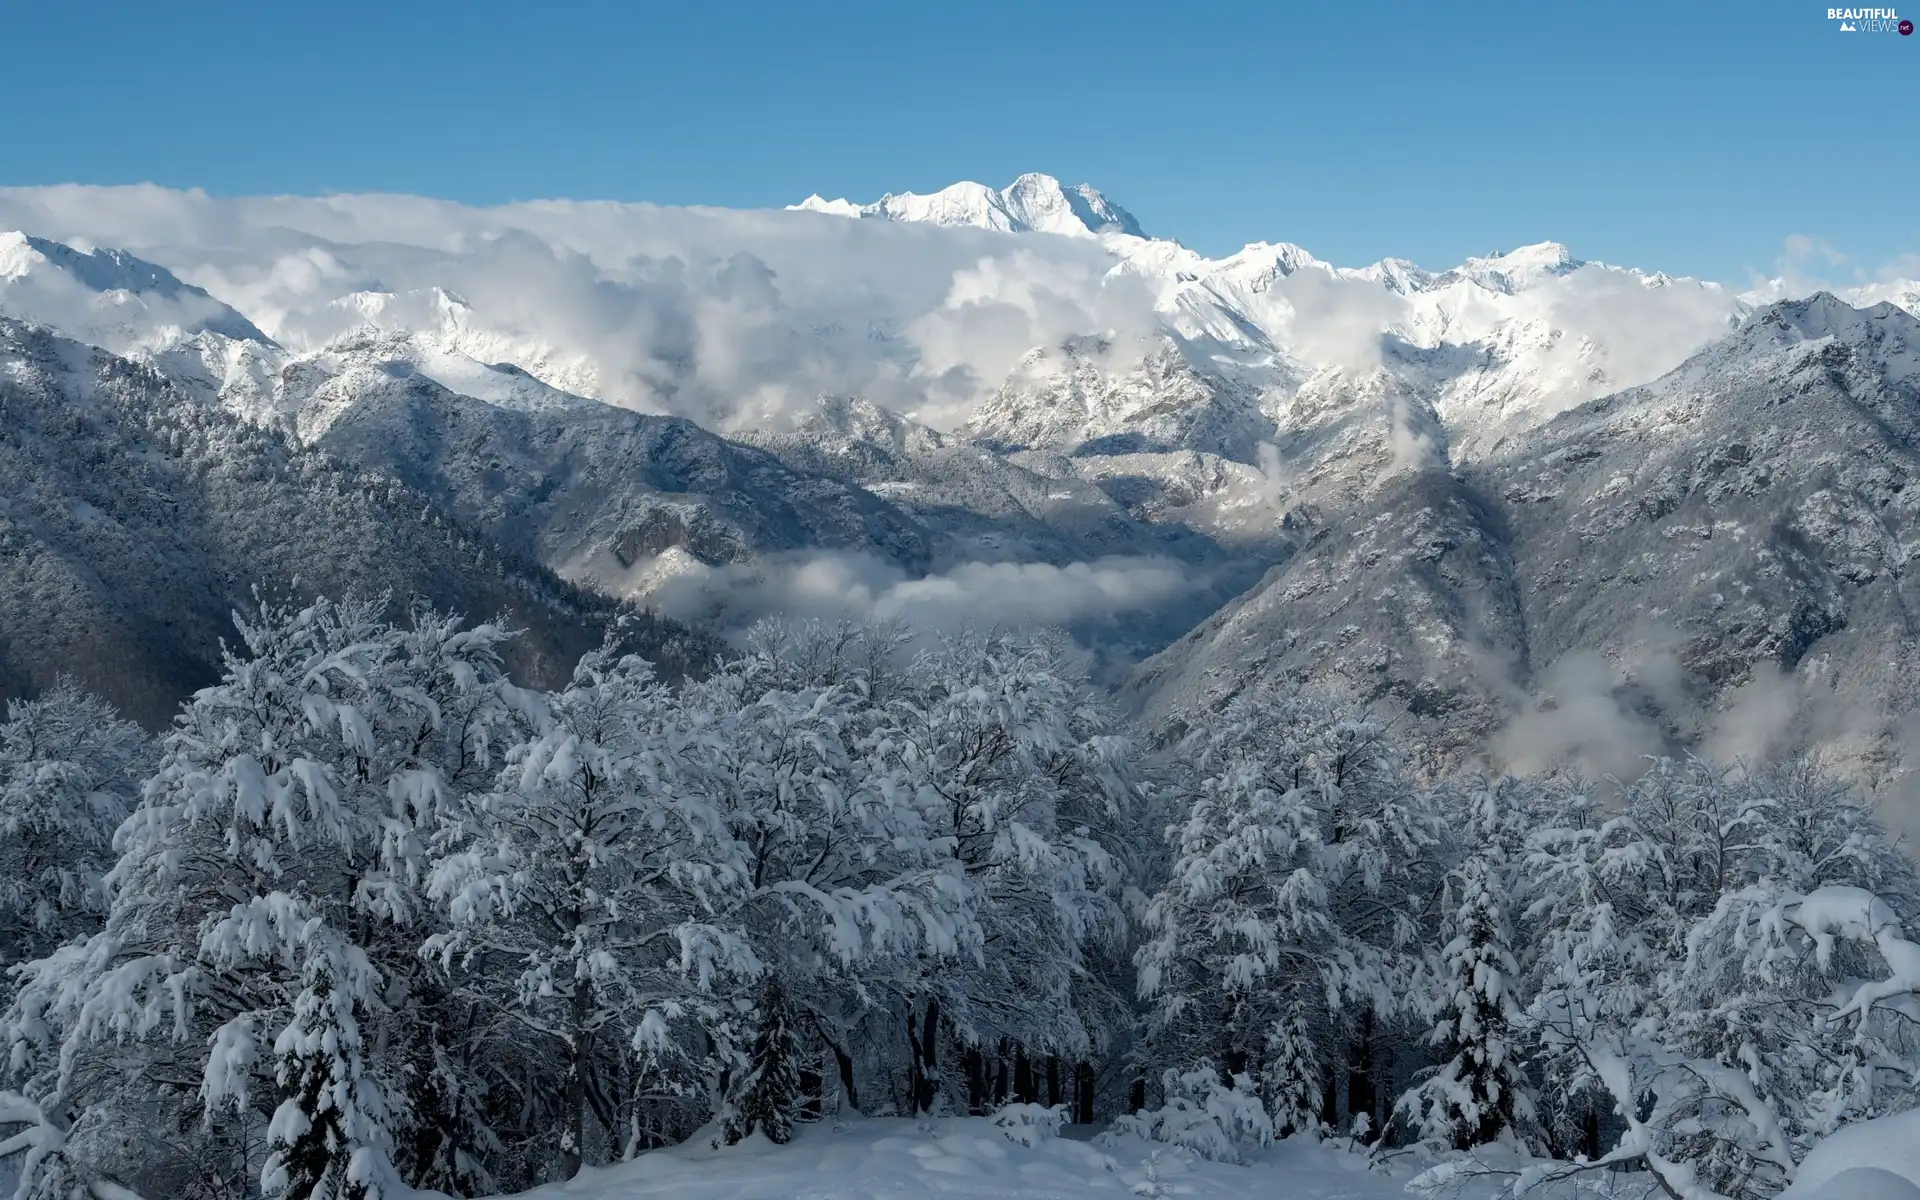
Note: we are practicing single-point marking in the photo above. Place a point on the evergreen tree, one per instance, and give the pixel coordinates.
(769, 1094)
(1481, 1090)
(1291, 1075)
(325, 1141)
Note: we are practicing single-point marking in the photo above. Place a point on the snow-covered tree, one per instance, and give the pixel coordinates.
(1216, 1118)
(1473, 988)
(768, 1095)
(330, 1136)
(70, 771)
(1706, 939)
(1017, 768)
(588, 895)
(257, 891)
(852, 891)
(1297, 888)
(1290, 1076)
(1481, 1089)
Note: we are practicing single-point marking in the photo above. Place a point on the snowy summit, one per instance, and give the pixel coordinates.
(1032, 204)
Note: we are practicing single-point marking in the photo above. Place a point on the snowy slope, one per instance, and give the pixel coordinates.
(134, 521)
(739, 320)
(1846, 1164)
(964, 1159)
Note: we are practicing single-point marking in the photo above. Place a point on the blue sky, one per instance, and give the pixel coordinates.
(1688, 137)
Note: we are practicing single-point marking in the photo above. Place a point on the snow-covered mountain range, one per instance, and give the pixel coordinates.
(1517, 496)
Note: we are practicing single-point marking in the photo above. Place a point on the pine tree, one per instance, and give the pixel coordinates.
(1481, 1090)
(327, 1139)
(769, 1095)
(1291, 1075)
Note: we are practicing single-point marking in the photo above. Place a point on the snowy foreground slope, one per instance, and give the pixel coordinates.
(970, 1159)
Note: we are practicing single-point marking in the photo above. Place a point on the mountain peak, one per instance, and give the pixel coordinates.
(122, 300)
(820, 204)
(1033, 203)
(1824, 315)
(1515, 270)
(1538, 254)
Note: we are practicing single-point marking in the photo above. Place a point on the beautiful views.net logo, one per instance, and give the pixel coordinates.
(1870, 20)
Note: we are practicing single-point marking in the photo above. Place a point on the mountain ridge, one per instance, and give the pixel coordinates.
(1379, 478)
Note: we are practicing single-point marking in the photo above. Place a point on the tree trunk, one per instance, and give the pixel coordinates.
(1360, 1091)
(1054, 1097)
(1085, 1084)
(1386, 1092)
(914, 1084)
(1329, 1097)
(1235, 1062)
(975, 1065)
(573, 1134)
(1000, 1079)
(1023, 1089)
(845, 1062)
(929, 1064)
(923, 1080)
(812, 1088)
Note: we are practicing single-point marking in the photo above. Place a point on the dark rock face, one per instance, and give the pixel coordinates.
(135, 522)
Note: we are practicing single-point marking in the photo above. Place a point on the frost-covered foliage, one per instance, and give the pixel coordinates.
(1303, 877)
(1029, 1124)
(1480, 1091)
(1216, 1118)
(70, 770)
(1722, 963)
(1024, 776)
(382, 921)
(769, 1096)
(581, 890)
(249, 986)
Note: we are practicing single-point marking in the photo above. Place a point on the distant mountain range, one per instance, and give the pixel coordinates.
(1529, 506)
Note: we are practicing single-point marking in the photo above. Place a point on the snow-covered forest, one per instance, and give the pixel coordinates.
(372, 919)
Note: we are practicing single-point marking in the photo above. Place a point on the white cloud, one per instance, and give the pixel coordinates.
(1805, 266)
(1337, 321)
(1641, 332)
(736, 318)
(1757, 719)
(1579, 718)
(1800, 248)
(969, 595)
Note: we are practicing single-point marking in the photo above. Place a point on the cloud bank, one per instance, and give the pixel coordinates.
(968, 595)
(735, 318)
